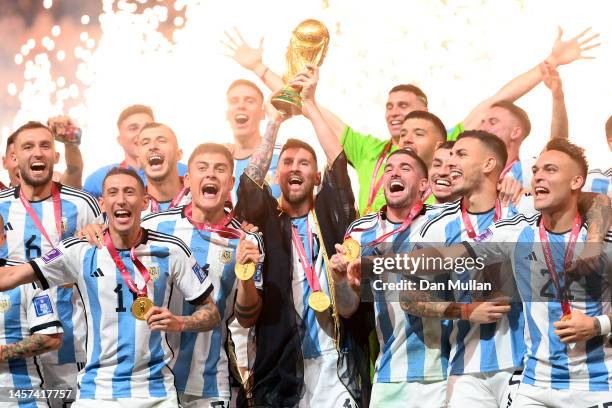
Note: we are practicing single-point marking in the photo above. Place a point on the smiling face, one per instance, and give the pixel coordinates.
(244, 111)
(123, 199)
(36, 155)
(468, 161)
(297, 175)
(439, 176)
(129, 130)
(158, 152)
(501, 123)
(420, 136)
(210, 180)
(556, 179)
(400, 104)
(403, 180)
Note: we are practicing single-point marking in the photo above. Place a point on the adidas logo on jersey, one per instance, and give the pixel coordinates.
(531, 256)
(8, 226)
(97, 273)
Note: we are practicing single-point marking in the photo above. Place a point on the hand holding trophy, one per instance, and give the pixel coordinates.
(308, 45)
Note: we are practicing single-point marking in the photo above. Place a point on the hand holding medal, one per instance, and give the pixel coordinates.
(247, 256)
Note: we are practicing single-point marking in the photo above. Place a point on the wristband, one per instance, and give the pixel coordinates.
(604, 324)
(465, 311)
(181, 323)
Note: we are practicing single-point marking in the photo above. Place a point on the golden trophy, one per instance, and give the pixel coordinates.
(308, 45)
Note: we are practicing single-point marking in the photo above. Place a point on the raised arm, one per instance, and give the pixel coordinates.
(31, 346)
(13, 276)
(260, 160)
(73, 176)
(559, 126)
(563, 52)
(308, 80)
(346, 296)
(251, 59)
(597, 210)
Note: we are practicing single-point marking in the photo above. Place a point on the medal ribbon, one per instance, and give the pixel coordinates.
(468, 223)
(220, 228)
(175, 201)
(125, 274)
(376, 185)
(57, 212)
(311, 276)
(567, 261)
(507, 169)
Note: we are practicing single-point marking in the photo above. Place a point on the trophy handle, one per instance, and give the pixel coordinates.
(288, 101)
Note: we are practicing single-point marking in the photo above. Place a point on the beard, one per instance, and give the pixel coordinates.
(298, 197)
(35, 182)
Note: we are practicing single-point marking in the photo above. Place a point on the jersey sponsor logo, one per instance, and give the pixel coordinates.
(5, 303)
(51, 255)
(225, 256)
(97, 273)
(200, 272)
(8, 226)
(154, 271)
(42, 305)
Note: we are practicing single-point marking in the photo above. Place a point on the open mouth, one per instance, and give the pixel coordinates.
(455, 174)
(37, 166)
(241, 118)
(210, 190)
(395, 122)
(442, 182)
(396, 187)
(539, 191)
(156, 160)
(295, 181)
(122, 215)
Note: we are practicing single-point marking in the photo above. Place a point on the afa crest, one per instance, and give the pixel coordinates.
(5, 303)
(153, 271)
(64, 225)
(225, 256)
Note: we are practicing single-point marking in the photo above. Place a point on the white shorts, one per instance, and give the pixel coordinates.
(530, 396)
(170, 401)
(322, 387)
(61, 377)
(495, 390)
(409, 394)
(193, 401)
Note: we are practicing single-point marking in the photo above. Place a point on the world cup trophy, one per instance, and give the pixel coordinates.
(308, 45)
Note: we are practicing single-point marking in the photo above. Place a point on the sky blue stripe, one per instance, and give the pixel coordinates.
(536, 338)
(4, 212)
(70, 213)
(600, 185)
(415, 347)
(517, 171)
(66, 353)
(157, 387)
(90, 263)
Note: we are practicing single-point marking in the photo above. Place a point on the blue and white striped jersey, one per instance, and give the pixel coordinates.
(599, 181)
(549, 363)
(24, 311)
(521, 171)
(241, 164)
(125, 359)
(477, 348)
(412, 348)
(317, 328)
(201, 363)
(25, 242)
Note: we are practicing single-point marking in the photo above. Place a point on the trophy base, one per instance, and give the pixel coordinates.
(288, 102)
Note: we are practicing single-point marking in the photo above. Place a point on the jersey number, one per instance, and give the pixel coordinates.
(119, 291)
(32, 251)
(547, 290)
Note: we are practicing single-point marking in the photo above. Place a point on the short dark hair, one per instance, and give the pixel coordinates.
(518, 113)
(492, 142)
(27, 126)
(420, 163)
(431, 118)
(134, 109)
(212, 148)
(609, 128)
(298, 144)
(245, 82)
(126, 171)
(575, 152)
(412, 89)
(447, 144)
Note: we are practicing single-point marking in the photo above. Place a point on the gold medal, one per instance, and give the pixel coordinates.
(566, 317)
(318, 301)
(353, 249)
(141, 306)
(244, 271)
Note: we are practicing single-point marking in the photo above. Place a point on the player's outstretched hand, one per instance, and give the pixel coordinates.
(579, 327)
(509, 190)
(486, 312)
(160, 318)
(92, 233)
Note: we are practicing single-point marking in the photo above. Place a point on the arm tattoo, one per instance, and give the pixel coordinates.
(262, 157)
(249, 311)
(598, 213)
(423, 304)
(204, 318)
(31, 346)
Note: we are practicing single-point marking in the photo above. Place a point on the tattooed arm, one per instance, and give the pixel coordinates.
(346, 296)
(259, 164)
(598, 212)
(205, 318)
(31, 346)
